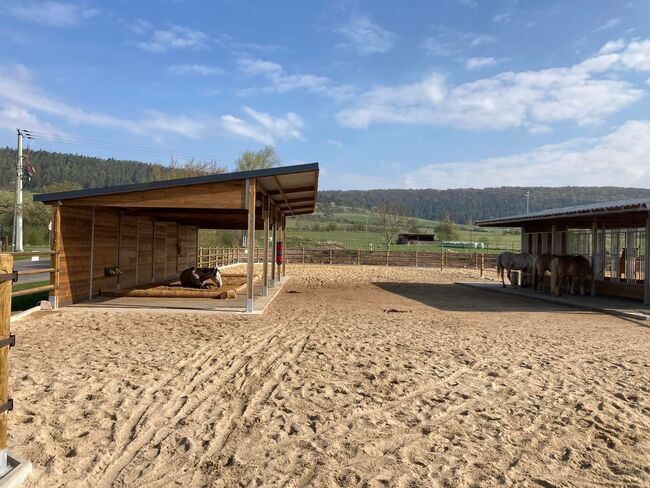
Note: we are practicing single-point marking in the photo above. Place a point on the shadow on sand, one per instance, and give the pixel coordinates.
(459, 298)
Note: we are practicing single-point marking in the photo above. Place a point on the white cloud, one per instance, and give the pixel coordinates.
(533, 99)
(473, 64)
(58, 14)
(194, 69)
(176, 37)
(617, 159)
(22, 100)
(288, 127)
(241, 128)
(282, 82)
(365, 36)
(446, 42)
(335, 143)
(611, 23)
(503, 18)
(612, 46)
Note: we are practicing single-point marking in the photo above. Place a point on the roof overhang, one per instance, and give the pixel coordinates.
(622, 213)
(211, 201)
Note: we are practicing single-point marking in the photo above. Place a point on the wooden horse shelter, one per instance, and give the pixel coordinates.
(149, 231)
(613, 236)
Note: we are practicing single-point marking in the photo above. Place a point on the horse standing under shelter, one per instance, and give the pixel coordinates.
(508, 261)
(577, 269)
(541, 265)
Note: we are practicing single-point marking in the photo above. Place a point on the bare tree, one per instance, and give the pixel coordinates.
(392, 218)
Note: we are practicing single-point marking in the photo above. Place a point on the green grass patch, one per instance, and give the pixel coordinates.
(28, 301)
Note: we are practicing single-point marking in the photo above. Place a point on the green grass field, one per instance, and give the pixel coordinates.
(347, 230)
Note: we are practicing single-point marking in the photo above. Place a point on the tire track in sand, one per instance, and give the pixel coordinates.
(170, 410)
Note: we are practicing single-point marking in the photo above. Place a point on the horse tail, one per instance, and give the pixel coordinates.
(500, 270)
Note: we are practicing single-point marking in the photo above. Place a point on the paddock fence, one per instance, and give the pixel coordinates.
(224, 256)
(53, 271)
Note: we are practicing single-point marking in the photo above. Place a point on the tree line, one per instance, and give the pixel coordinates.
(467, 205)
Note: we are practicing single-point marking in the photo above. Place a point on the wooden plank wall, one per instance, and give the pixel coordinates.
(124, 241)
(74, 279)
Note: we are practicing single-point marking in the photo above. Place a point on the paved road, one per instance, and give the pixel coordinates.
(25, 264)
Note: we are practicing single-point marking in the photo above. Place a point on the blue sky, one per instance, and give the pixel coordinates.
(383, 94)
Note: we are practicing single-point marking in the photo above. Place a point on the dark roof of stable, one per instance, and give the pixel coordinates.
(196, 180)
(630, 205)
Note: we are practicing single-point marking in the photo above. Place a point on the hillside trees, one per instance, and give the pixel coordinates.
(447, 230)
(262, 159)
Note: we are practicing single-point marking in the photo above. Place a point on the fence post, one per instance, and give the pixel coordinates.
(303, 255)
(442, 259)
(482, 263)
(358, 257)
(387, 252)
(416, 258)
(6, 266)
(330, 256)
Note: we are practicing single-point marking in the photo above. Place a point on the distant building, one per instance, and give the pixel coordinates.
(415, 238)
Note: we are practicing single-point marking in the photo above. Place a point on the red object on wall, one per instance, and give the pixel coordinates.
(278, 252)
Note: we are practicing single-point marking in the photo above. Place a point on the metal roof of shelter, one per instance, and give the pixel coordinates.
(636, 207)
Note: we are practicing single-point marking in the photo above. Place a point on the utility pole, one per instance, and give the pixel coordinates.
(527, 201)
(18, 202)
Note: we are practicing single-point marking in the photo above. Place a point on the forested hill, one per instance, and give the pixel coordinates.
(57, 171)
(469, 205)
(60, 171)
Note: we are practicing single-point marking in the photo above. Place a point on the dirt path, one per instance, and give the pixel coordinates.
(353, 377)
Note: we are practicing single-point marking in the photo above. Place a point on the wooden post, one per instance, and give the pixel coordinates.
(284, 246)
(55, 259)
(265, 266)
(646, 263)
(330, 256)
(594, 245)
(6, 266)
(387, 257)
(250, 276)
(359, 257)
(482, 263)
(153, 250)
(274, 232)
(92, 251)
(416, 258)
(303, 255)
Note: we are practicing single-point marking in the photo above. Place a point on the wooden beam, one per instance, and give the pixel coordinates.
(265, 269)
(286, 200)
(273, 215)
(213, 195)
(300, 189)
(284, 246)
(646, 275)
(6, 266)
(56, 258)
(250, 276)
(298, 200)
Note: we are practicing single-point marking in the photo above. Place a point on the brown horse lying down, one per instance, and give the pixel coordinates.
(541, 265)
(574, 268)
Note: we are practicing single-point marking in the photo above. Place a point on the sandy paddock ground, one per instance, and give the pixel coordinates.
(355, 376)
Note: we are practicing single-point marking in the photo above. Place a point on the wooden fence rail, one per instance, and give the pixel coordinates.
(53, 271)
(447, 259)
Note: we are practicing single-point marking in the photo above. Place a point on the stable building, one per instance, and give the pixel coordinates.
(148, 232)
(612, 235)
